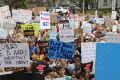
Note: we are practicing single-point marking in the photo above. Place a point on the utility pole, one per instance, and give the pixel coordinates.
(55, 6)
(83, 6)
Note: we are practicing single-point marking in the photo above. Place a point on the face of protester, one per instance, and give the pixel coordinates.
(43, 49)
(31, 45)
(77, 60)
(61, 71)
(62, 62)
(96, 35)
(73, 77)
(77, 66)
(68, 63)
(37, 50)
(99, 35)
(51, 60)
(75, 52)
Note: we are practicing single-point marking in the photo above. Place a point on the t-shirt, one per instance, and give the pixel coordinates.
(51, 65)
(33, 49)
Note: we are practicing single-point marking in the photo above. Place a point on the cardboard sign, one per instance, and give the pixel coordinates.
(109, 22)
(44, 20)
(88, 53)
(74, 20)
(38, 9)
(107, 61)
(100, 20)
(43, 43)
(60, 50)
(31, 28)
(53, 17)
(113, 14)
(52, 36)
(40, 67)
(3, 34)
(87, 67)
(8, 24)
(87, 28)
(78, 31)
(66, 32)
(14, 55)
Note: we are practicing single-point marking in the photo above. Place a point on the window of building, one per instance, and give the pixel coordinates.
(105, 3)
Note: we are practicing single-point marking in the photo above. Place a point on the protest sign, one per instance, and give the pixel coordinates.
(43, 43)
(8, 24)
(84, 23)
(37, 10)
(58, 19)
(86, 67)
(14, 55)
(113, 37)
(114, 13)
(100, 20)
(66, 32)
(52, 36)
(34, 21)
(53, 17)
(74, 20)
(30, 29)
(52, 30)
(15, 69)
(96, 14)
(87, 28)
(39, 67)
(114, 29)
(88, 53)
(107, 61)
(78, 31)
(37, 18)
(60, 50)
(109, 22)
(3, 34)
(44, 20)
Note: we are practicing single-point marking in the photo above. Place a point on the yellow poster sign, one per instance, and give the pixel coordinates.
(27, 28)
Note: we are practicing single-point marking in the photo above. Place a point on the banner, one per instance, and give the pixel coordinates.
(3, 34)
(22, 15)
(107, 61)
(100, 20)
(40, 67)
(74, 20)
(109, 22)
(66, 32)
(87, 28)
(14, 55)
(60, 50)
(52, 36)
(44, 20)
(8, 24)
(37, 10)
(30, 29)
(88, 53)
(113, 37)
(53, 17)
(43, 43)
(87, 67)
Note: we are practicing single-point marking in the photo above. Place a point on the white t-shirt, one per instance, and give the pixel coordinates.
(51, 65)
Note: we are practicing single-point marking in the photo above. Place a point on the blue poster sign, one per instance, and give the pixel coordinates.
(107, 61)
(60, 50)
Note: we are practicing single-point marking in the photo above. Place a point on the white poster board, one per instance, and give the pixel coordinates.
(114, 29)
(3, 34)
(88, 53)
(110, 22)
(96, 14)
(66, 32)
(52, 30)
(74, 20)
(14, 55)
(113, 14)
(44, 20)
(100, 20)
(87, 28)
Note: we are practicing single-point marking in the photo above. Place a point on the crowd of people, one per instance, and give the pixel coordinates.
(62, 68)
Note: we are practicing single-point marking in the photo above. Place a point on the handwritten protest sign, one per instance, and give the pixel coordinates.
(87, 28)
(8, 24)
(114, 29)
(100, 20)
(113, 37)
(74, 20)
(15, 69)
(88, 51)
(44, 20)
(3, 34)
(52, 30)
(114, 14)
(30, 29)
(66, 32)
(109, 22)
(38, 9)
(58, 19)
(43, 43)
(60, 50)
(53, 17)
(22, 15)
(14, 55)
(78, 31)
(52, 36)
